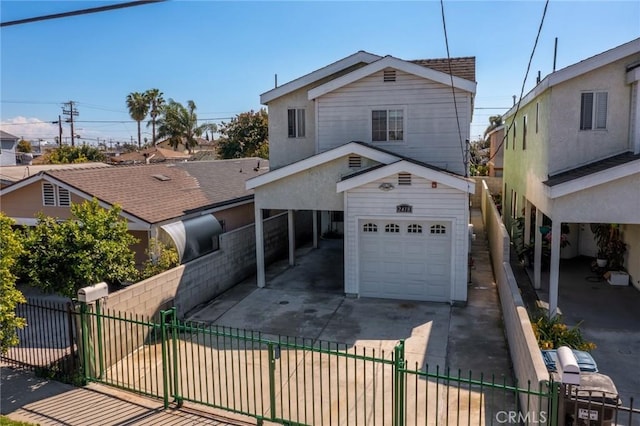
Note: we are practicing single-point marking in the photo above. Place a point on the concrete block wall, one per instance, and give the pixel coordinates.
(525, 355)
(494, 184)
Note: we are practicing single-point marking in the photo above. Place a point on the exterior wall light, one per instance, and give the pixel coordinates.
(386, 186)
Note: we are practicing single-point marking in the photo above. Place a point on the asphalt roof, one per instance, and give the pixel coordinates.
(159, 192)
(588, 169)
(463, 67)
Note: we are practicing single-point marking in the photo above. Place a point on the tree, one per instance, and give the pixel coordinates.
(92, 246)
(73, 154)
(138, 105)
(246, 135)
(179, 124)
(495, 121)
(156, 102)
(24, 146)
(10, 250)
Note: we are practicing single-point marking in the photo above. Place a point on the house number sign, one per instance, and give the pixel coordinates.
(404, 208)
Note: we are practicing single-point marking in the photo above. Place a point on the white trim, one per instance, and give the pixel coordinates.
(589, 181)
(633, 75)
(349, 61)
(318, 159)
(391, 62)
(578, 69)
(388, 108)
(456, 182)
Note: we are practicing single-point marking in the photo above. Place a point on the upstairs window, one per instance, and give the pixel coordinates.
(387, 125)
(524, 133)
(593, 110)
(53, 195)
(296, 123)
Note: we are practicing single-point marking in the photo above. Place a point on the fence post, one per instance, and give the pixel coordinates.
(399, 378)
(72, 339)
(556, 403)
(272, 381)
(176, 375)
(85, 341)
(165, 366)
(99, 329)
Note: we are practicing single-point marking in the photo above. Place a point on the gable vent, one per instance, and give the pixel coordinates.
(404, 178)
(389, 75)
(48, 194)
(355, 161)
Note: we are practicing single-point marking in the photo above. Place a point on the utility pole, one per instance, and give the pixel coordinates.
(71, 112)
(59, 123)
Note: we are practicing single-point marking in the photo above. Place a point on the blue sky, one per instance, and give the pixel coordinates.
(223, 55)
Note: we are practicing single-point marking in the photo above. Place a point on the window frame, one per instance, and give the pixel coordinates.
(402, 120)
(296, 123)
(524, 133)
(591, 115)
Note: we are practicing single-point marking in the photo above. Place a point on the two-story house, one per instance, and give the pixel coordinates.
(375, 147)
(572, 152)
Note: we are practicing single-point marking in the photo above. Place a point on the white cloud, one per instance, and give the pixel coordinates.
(31, 129)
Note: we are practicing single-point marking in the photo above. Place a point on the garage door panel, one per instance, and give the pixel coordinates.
(405, 265)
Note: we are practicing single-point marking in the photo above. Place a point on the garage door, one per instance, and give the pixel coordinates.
(405, 259)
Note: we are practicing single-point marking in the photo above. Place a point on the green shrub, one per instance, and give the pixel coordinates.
(552, 333)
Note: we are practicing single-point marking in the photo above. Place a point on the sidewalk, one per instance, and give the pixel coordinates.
(25, 397)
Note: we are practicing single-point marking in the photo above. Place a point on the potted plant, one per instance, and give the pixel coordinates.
(602, 234)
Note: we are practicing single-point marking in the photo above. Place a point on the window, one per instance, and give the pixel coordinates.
(392, 228)
(414, 228)
(355, 161)
(537, 116)
(369, 227)
(438, 229)
(387, 125)
(53, 195)
(524, 132)
(593, 110)
(296, 123)
(404, 178)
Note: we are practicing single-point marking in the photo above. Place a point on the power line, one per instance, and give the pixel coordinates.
(515, 115)
(453, 90)
(79, 12)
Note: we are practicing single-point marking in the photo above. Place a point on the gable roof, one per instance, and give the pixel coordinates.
(5, 135)
(578, 69)
(399, 64)
(593, 174)
(463, 69)
(156, 193)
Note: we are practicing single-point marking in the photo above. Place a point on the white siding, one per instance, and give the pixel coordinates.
(430, 125)
(436, 204)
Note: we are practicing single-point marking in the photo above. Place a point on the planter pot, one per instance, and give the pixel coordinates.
(601, 263)
(618, 278)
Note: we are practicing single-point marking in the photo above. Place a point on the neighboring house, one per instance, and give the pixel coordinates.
(573, 154)
(496, 151)
(149, 155)
(8, 145)
(202, 144)
(374, 147)
(12, 174)
(188, 203)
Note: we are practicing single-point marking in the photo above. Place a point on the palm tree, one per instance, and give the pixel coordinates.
(179, 124)
(156, 101)
(138, 105)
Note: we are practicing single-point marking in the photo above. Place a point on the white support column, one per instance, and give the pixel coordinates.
(260, 275)
(554, 272)
(527, 223)
(292, 237)
(537, 252)
(315, 228)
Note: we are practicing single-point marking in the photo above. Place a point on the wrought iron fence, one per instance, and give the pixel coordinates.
(47, 344)
(595, 407)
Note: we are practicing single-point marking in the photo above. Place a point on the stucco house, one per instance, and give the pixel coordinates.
(572, 153)
(186, 204)
(496, 151)
(374, 147)
(8, 145)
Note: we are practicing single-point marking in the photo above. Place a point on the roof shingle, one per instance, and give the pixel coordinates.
(463, 67)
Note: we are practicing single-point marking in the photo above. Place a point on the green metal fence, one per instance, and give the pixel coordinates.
(293, 380)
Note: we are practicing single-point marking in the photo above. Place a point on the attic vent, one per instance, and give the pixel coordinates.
(404, 178)
(389, 75)
(162, 178)
(355, 161)
(64, 197)
(48, 194)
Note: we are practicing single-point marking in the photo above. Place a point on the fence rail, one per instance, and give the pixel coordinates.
(47, 343)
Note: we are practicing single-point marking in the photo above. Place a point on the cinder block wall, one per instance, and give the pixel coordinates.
(494, 184)
(525, 355)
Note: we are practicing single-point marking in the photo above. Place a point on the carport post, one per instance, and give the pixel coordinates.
(537, 251)
(292, 237)
(555, 266)
(260, 277)
(315, 228)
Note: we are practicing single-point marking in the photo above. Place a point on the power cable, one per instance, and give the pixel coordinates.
(453, 90)
(526, 74)
(79, 12)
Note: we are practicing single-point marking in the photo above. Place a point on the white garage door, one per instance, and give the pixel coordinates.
(405, 259)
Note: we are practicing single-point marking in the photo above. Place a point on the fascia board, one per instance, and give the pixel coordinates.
(580, 68)
(399, 64)
(455, 182)
(319, 74)
(316, 160)
(589, 181)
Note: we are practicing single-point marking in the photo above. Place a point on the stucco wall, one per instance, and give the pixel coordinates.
(631, 236)
(441, 203)
(27, 202)
(527, 360)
